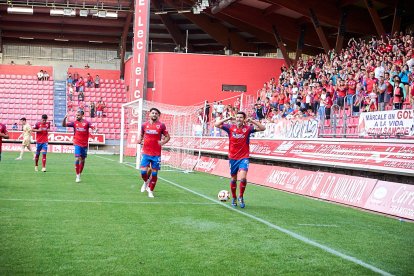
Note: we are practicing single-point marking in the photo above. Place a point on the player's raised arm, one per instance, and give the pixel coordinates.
(64, 120)
(257, 124)
(219, 124)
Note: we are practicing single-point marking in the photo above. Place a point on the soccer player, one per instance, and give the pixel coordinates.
(3, 134)
(239, 150)
(80, 140)
(42, 130)
(27, 136)
(153, 135)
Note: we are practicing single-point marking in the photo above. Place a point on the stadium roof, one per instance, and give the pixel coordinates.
(241, 25)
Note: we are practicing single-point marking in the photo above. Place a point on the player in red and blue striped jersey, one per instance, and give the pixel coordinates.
(42, 130)
(239, 151)
(153, 135)
(80, 140)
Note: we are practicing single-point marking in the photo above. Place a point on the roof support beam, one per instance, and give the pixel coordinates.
(272, 9)
(172, 28)
(219, 32)
(290, 30)
(375, 17)
(124, 37)
(301, 42)
(319, 31)
(396, 23)
(328, 13)
(262, 35)
(281, 46)
(221, 5)
(341, 31)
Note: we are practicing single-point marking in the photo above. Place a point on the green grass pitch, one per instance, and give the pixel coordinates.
(104, 225)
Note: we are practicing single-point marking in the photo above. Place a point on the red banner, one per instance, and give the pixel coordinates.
(392, 198)
(367, 155)
(140, 54)
(60, 138)
(50, 148)
(385, 197)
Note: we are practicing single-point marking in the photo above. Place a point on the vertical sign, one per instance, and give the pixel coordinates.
(140, 54)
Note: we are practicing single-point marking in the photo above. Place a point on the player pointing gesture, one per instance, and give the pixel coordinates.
(239, 150)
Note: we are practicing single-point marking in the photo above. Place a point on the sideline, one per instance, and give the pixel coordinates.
(281, 229)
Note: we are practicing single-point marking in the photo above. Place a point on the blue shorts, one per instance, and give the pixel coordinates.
(155, 161)
(81, 151)
(238, 165)
(41, 147)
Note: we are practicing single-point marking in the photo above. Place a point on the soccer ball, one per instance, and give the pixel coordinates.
(223, 195)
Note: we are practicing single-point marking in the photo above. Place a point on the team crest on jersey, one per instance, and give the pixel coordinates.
(158, 126)
(244, 130)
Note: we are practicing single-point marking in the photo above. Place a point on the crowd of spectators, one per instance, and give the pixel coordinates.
(373, 75)
(76, 85)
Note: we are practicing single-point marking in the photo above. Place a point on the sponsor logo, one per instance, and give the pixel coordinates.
(151, 131)
(238, 135)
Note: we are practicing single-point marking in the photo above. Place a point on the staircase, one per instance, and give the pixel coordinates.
(59, 104)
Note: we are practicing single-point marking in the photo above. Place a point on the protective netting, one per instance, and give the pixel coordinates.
(182, 122)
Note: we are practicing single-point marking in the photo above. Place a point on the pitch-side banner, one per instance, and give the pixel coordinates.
(391, 157)
(387, 123)
(50, 148)
(392, 198)
(60, 138)
(385, 197)
(139, 52)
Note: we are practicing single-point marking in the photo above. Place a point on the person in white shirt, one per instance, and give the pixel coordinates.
(40, 75)
(379, 70)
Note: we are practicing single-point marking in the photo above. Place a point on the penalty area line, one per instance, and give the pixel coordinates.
(288, 232)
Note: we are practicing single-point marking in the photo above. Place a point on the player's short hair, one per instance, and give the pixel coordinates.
(81, 112)
(44, 117)
(156, 109)
(23, 119)
(242, 113)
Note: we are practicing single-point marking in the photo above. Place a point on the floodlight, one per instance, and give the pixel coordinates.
(111, 15)
(102, 13)
(20, 10)
(83, 12)
(69, 12)
(56, 12)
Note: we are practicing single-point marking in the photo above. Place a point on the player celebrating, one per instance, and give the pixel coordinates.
(27, 136)
(239, 141)
(42, 130)
(154, 135)
(80, 140)
(3, 134)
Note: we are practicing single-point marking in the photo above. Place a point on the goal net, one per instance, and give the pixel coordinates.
(183, 123)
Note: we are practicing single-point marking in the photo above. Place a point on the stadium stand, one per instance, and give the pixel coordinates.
(23, 95)
(112, 91)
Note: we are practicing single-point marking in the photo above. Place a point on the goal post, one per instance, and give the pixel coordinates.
(182, 123)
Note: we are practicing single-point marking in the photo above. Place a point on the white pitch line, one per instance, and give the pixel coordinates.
(105, 201)
(283, 230)
(288, 232)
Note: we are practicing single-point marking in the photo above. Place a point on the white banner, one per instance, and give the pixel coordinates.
(387, 123)
(286, 129)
